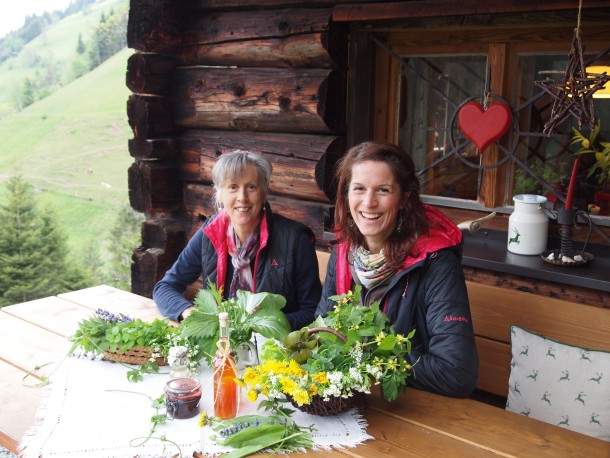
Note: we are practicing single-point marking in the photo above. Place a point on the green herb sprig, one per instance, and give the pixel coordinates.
(249, 434)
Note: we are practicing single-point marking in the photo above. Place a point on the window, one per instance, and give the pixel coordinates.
(423, 74)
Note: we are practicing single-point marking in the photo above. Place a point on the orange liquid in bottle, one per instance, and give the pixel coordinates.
(226, 389)
(225, 393)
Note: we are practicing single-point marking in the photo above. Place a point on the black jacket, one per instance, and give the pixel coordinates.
(285, 264)
(428, 294)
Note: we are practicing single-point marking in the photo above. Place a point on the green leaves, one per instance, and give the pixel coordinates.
(200, 323)
(248, 313)
(269, 323)
(249, 434)
(601, 151)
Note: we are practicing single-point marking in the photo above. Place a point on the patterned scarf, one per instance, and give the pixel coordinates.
(370, 268)
(241, 256)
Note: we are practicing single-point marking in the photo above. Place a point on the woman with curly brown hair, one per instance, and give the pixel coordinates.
(407, 257)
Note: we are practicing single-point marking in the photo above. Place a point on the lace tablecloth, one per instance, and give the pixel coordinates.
(91, 409)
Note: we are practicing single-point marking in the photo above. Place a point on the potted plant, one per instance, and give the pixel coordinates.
(120, 338)
(248, 313)
(330, 365)
(600, 169)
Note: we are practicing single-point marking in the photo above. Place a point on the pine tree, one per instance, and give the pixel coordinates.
(124, 237)
(80, 46)
(33, 249)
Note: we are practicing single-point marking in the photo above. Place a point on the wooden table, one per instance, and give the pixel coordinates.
(418, 424)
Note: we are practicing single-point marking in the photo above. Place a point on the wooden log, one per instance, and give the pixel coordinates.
(303, 165)
(277, 38)
(149, 73)
(155, 25)
(149, 266)
(199, 207)
(153, 187)
(221, 27)
(165, 233)
(162, 241)
(261, 4)
(157, 148)
(150, 116)
(436, 8)
(292, 52)
(257, 99)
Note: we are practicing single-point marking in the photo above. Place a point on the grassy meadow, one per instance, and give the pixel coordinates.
(72, 146)
(53, 50)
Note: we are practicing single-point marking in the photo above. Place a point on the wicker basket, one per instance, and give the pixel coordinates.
(135, 355)
(334, 405)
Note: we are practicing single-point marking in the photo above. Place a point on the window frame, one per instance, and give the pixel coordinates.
(376, 115)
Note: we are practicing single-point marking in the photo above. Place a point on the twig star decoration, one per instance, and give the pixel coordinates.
(573, 94)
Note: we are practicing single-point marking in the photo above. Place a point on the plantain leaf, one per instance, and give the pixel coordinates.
(270, 324)
(254, 301)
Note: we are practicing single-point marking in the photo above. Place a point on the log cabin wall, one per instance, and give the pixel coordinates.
(208, 76)
(267, 75)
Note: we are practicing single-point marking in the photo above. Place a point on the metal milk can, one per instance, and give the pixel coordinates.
(528, 225)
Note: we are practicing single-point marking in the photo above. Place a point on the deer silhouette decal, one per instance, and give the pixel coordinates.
(546, 397)
(565, 376)
(594, 419)
(515, 239)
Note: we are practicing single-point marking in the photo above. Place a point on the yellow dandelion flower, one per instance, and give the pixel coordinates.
(251, 377)
(313, 389)
(320, 378)
(203, 419)
(252, 395)
(288, 385)
(300, 396)
(239, 382)
(294, 368)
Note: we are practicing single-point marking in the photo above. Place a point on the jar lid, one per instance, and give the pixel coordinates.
(530, 199)
(182, 386)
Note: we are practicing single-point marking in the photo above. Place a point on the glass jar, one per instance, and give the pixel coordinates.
(182, 396)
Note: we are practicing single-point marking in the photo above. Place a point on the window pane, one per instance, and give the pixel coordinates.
(431, 90)
(551, 158)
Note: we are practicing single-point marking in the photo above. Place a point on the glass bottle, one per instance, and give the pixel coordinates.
(226, 389)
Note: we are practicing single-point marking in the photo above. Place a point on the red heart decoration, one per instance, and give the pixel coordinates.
(484, 127)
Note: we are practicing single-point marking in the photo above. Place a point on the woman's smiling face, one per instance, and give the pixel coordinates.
(243, 199)
(374, 198)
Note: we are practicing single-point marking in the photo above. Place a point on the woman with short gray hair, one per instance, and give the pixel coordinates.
(246, 246)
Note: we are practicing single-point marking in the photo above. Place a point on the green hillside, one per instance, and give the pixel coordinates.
(54, 51)
(72, 146)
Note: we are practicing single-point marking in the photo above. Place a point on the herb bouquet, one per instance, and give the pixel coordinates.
(120, 338)
(330, 366)
(248, 313)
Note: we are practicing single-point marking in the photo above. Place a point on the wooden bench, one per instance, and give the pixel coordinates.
(494, 309)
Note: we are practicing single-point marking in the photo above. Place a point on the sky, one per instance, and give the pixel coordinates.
(13, 12)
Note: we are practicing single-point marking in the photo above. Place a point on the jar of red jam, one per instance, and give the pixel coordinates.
(182, 396)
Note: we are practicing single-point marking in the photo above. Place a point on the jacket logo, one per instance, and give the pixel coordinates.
(274, 263)
(463, 319)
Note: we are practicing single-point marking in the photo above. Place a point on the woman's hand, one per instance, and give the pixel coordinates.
(186, 313)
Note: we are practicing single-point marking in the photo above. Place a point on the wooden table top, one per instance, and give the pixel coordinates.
(418, 424)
